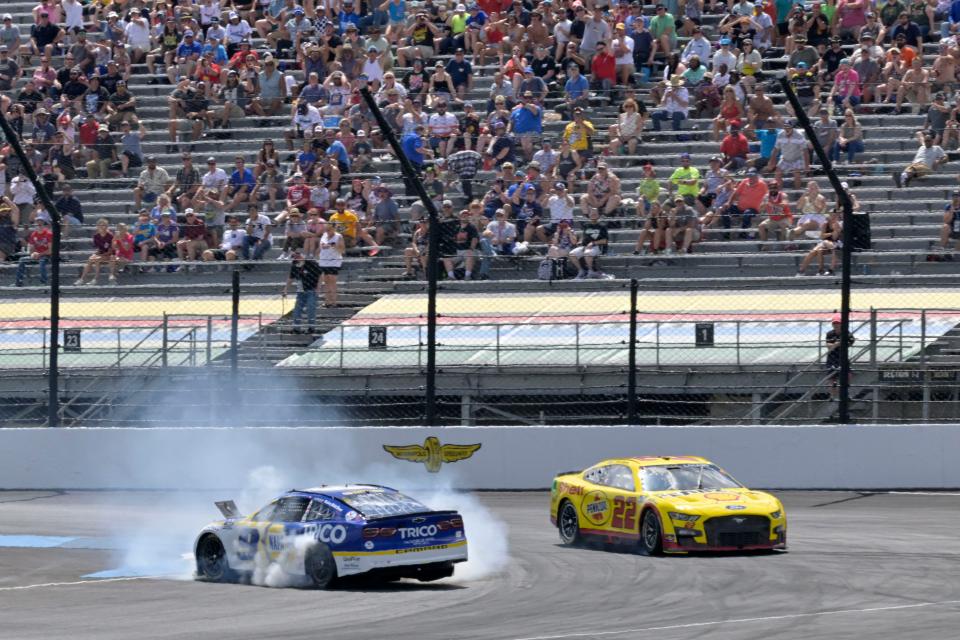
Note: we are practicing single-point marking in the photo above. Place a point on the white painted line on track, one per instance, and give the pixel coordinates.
(922, 493)
(78, 582)
(694, 625)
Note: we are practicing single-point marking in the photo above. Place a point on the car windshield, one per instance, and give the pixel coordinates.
(380, 503)
(685, 477)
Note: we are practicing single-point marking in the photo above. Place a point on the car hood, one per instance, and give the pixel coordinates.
(729, 499)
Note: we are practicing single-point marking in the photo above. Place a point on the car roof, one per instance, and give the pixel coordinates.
(649, 461)
(339, 490)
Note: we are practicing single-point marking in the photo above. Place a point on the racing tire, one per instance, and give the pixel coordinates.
(320, 566)
(568, 524)
(651, 537)
(211, 557)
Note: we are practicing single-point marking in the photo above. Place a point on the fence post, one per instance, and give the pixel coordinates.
(632, 356)
(53, 388)
(923, 338)
(165, 341)
(209, 339)
(873, 337)
(234, 325)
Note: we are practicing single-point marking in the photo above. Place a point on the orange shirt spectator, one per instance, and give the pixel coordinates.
(750, 193)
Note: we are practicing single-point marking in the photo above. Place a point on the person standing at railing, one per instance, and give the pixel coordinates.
(330, 260)
(38, 247)
(306, 274)
(833, 360)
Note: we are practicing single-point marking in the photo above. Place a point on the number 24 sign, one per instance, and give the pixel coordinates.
(624, 513)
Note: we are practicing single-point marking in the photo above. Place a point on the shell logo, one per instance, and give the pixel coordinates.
(722, 497)
(595, 507)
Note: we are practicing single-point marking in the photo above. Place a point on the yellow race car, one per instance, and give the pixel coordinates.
(671, 504)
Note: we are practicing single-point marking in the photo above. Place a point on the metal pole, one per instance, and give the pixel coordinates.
(845, 252)
(433, 255)
(234, 325)
(632, 356)
(165, 341)
(53, 393)
(873, 337)
(209, 338)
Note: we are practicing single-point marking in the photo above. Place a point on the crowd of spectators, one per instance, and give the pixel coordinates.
(236, 66)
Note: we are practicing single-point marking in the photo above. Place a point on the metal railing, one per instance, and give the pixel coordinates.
(193, 341)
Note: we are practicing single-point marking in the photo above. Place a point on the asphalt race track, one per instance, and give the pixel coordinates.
(860, 566)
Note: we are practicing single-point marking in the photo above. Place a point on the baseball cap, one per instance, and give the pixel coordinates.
(211, 159)
(298, 11)
(187, 33)
(188, 212)
(559, 185)
(7, 16)
(751, 171)
(724, 40)
(684, 156)
(836, 319)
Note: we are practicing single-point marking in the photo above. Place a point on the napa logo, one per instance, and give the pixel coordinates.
(432, 454)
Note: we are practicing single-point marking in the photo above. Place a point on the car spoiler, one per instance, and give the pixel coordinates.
(228, 508)
(449, 512)
(567, 473)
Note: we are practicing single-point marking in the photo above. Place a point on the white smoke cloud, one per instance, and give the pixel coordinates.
(162, 546)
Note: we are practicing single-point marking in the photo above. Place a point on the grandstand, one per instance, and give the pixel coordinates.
(902, 248)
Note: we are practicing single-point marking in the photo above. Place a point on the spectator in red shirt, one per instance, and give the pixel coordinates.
(38, 245)
(193, 242)
(208, 72)
(746, 201)
(490, 7)
(603, 71)
(734, 148)
(779, 217)
(122, 251)
(102, 253)
(298, 194)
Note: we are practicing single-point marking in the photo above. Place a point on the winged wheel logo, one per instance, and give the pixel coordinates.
(432, 454)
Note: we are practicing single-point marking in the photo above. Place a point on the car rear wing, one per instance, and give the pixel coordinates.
(414, 514)
(568, 473)
(228, 508)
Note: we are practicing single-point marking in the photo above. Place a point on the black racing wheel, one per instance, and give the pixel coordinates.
(568, 524)
(320, 566)
(651, 540)
(212, 560)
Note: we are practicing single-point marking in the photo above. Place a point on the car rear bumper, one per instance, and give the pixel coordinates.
(354, 562)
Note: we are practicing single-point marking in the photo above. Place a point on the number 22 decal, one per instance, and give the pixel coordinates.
(624, 513)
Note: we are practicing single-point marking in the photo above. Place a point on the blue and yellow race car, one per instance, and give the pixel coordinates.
(330, 532)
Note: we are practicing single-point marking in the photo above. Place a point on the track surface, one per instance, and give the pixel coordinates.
(872, 566)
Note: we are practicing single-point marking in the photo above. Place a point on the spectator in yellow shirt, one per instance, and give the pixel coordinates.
(686, 180)
(348, 225)
(579, 133)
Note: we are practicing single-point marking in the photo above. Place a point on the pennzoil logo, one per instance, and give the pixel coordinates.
(432, 454)
(596, 508)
